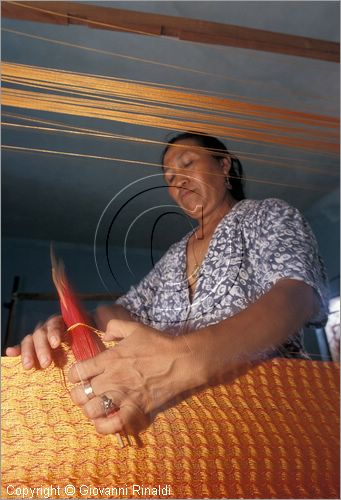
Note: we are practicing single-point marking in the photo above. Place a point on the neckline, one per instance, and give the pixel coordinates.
(186, 240)
(226, 216)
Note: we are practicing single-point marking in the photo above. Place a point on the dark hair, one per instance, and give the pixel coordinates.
(236, 174)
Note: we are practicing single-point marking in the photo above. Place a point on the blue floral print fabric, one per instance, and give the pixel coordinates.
(255, 245)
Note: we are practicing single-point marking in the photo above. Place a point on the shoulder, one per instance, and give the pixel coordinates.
(270, 216)
(254, 212)
(270, 209)
(272, 205)
(250, 206)
(275, 204)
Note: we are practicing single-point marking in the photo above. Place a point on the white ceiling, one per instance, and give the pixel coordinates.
(57, 198)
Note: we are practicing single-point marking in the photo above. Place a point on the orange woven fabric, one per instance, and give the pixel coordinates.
(271, 433)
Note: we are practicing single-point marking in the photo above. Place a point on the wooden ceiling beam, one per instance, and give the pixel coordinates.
(192, 30)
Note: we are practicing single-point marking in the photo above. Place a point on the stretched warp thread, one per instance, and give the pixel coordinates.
(108, 86)
(124, 160)
(63, 128)
(201, 113)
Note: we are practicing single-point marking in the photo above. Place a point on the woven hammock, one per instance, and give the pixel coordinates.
(273, 432)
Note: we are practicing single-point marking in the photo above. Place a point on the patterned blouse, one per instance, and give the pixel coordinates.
(256, 244)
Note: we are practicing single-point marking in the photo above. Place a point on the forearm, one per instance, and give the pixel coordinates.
(268, 322)
(104, 314)
(148, 369)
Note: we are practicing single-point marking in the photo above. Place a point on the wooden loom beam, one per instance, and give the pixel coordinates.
(192, 30)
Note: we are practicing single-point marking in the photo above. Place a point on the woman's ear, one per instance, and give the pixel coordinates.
(226, 165)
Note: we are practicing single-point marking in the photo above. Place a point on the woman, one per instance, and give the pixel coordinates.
(239, 287)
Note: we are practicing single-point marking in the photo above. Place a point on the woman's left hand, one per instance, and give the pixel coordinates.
(139, 375)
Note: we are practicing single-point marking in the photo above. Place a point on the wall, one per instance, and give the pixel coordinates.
(324, 218)
(30, 259)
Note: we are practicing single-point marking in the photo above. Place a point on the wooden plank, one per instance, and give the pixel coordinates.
(193, 30)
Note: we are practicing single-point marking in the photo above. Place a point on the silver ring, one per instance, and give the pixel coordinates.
(88, 390)
(108, 405)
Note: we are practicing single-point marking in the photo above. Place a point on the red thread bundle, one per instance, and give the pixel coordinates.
(85, 343)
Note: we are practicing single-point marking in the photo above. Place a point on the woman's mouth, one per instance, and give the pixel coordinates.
(186, 193)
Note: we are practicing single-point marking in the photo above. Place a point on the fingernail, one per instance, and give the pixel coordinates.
(54, 341)
(26, 362)
(44, 361)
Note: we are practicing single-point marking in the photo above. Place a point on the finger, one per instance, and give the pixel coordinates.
(55, 328)
(129, 419)
(85, 370)
(96, 409)
(27, 352)
(78, 394)
(42, 346)
(110, 424)
(120, 329)
(13, 351)
(113, 383)
(99, 385)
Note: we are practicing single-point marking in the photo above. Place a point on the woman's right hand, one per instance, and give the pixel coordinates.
(35, 349)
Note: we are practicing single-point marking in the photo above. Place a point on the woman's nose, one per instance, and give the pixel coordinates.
(182, 181)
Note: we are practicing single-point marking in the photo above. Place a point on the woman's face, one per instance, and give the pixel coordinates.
(195, 178)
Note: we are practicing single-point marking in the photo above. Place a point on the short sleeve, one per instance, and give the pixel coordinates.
(287, 248)
(139, 298)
